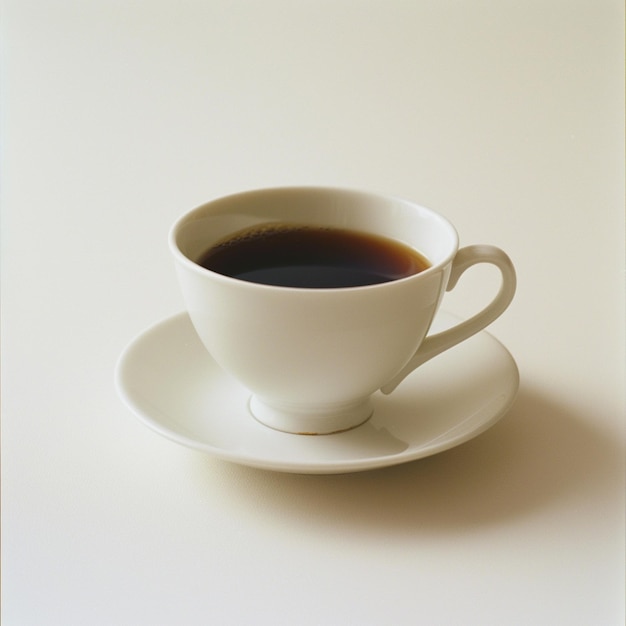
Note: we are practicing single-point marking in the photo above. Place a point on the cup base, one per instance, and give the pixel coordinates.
(312, 421)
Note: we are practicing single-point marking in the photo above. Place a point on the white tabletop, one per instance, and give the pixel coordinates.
(117, 117)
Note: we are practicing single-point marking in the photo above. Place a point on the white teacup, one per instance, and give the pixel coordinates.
(313, 357)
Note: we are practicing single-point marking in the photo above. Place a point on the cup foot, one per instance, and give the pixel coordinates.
(325, 420)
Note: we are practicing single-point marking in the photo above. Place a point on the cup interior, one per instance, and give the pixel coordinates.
(424, 230)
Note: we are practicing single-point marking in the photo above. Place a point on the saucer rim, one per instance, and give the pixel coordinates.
(321, 467)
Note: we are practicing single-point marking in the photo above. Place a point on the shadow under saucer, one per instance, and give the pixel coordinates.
(540, 452)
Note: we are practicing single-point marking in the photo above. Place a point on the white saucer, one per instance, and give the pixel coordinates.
(170, 381)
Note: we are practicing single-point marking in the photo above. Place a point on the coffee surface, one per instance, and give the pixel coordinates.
(312, 257)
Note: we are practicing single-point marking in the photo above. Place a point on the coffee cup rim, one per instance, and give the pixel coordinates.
(202, 208)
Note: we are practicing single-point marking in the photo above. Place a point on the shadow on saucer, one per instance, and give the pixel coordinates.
(540, 452)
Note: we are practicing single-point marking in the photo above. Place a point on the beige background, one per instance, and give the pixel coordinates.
(118, 116)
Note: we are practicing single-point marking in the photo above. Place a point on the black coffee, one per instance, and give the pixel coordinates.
(312, 257)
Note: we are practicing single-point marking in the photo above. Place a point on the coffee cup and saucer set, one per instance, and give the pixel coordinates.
(313, 339)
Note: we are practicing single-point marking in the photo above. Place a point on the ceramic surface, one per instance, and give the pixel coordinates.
(314, 357)
(173, 385)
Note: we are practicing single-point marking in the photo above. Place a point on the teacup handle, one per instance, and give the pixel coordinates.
(435, 344)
